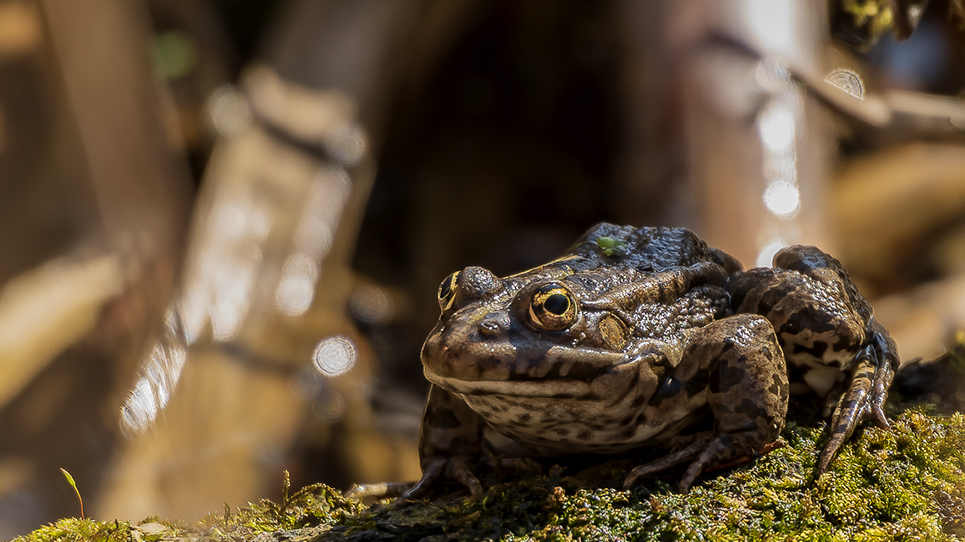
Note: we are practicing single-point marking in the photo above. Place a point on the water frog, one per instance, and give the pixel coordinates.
(636, 338)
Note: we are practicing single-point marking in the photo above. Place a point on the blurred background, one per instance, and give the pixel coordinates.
(223, 222)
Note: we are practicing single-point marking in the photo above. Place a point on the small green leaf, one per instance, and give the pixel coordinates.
(612, 246)
(70, 479)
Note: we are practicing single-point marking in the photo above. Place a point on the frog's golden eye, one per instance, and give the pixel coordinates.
(447, 291)
(553, 308)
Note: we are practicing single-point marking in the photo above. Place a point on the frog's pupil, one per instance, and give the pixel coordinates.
(556, 304)
(445, 289)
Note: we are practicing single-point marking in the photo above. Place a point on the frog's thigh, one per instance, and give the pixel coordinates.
(748, 389)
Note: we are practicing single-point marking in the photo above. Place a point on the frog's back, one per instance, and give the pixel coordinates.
(649, 249)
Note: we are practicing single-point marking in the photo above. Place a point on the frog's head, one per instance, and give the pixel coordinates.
(535, 327)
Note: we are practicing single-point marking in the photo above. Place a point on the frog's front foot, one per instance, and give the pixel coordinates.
(708, 452)
(458, 468)
(699, 447)
(873, 370)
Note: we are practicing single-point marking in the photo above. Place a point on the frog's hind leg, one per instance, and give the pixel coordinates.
(863, 344)
(747, 394)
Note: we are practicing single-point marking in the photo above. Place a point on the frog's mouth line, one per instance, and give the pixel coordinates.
(545, 363)
(546, 389)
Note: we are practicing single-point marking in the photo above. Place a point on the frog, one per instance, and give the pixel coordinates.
(647, 339)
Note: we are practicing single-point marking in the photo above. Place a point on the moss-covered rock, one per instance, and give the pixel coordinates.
(905, 483)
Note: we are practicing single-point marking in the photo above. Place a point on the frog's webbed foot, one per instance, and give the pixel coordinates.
(874, 369)
(458, 468)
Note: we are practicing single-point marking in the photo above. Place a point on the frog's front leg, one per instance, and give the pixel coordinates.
(741, 364)
(827, 329)
(450, 442)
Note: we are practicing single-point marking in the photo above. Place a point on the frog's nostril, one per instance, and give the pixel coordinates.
(489, 328)
(492, 326)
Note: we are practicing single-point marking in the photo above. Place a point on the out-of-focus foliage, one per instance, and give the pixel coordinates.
(874, 15)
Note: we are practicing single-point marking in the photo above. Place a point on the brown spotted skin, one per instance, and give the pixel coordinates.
(635, 338)
(747, 394)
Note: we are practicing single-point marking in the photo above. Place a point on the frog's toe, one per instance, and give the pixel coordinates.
(864, 399)
(456, 468)
(459, 469)
(879, 417)
(379, 491)
(853, 407)
(887, 362)
(665, 462)
(432, 469)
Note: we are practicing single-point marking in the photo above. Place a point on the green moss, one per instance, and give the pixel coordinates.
(311, 506)
(76, 529)
(90, 530)
(311, 510)
(906, 483)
